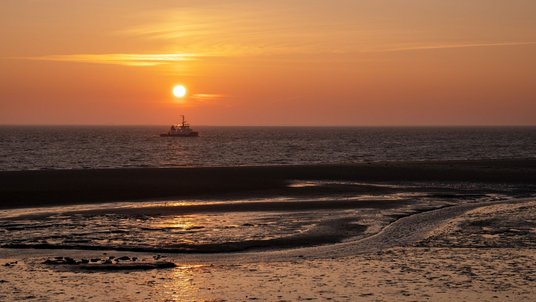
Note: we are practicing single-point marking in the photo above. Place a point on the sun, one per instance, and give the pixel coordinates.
(179, 91)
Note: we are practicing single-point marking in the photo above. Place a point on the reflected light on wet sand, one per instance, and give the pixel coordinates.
(181, 222)
(182, 287)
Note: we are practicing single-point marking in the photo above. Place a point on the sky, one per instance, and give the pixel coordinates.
(292, 63)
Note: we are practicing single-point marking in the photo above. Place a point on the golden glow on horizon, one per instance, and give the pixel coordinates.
(179, 91)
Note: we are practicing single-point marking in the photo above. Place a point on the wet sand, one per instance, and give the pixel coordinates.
(58, 187)
(429, 256)
(480, 250)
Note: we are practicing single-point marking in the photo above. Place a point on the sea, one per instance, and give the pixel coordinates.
(291, 221)
(99, 147)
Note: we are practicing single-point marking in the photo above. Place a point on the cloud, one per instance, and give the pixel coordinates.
(203, 97)
(450, 46)
(144, 60)
(125, 59)
(199, 98)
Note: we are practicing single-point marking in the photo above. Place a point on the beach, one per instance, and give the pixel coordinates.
(405, 231)
(58, 187)
(433, 266)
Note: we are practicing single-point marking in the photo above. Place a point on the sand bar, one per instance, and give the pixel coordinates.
(57, 187)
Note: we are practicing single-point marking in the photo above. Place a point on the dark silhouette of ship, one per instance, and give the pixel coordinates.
(181, 130)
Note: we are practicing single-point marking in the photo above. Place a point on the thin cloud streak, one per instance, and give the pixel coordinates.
(199, 98)
(147, 60)
(202, 97)
(450, 46)
(122, 58)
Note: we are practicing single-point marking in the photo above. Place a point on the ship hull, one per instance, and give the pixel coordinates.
(191, 134)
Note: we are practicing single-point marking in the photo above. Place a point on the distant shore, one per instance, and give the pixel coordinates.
(19, 189)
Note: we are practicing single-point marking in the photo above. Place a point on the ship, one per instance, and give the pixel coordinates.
(181, 130)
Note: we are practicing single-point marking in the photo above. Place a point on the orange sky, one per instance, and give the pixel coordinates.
(302, 62)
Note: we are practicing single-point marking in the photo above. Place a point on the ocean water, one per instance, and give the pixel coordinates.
(34, 148)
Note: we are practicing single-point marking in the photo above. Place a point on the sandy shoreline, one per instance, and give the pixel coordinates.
(58, 187)
(419, 257)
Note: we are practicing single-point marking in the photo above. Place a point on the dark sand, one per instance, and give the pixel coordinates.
(58, 187)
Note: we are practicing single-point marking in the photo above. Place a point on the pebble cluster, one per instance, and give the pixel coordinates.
(111, 262)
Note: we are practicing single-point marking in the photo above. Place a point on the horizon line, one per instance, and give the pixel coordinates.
(275, 126)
